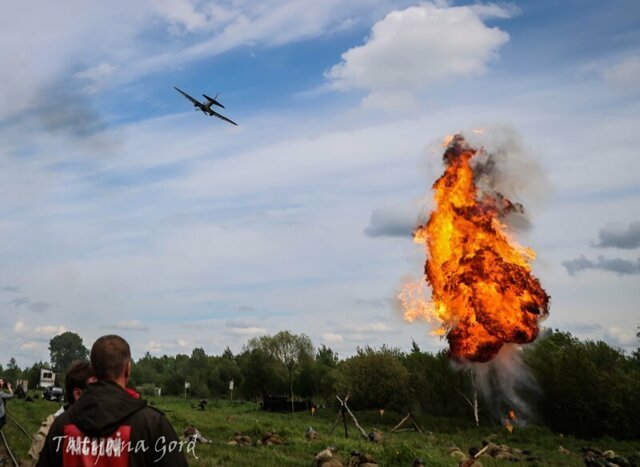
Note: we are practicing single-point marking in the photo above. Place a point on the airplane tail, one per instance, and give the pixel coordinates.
(213, 100)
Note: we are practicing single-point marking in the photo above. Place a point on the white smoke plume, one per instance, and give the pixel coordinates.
(504, 384)
(507, 168)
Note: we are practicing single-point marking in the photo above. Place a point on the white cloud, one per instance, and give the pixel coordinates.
(154, 346)
(373, 328)
(392, 102)
(332, 338)
(176, 345)
(182, 13)
(96, 76)
(625, 75)
(20, 327)
(50, 331)
(249, 329)
(32, 345)
(621, 337)
(414, 48)
(130, 325)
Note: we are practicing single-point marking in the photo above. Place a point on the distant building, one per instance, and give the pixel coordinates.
(47, 378)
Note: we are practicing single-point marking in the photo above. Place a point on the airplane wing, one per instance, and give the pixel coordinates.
(216, 114)
(213, 100)
(188, 96)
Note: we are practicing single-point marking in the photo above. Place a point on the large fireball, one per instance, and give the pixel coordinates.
(483, 292)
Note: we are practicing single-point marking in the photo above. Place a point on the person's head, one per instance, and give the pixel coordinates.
(111, 359)
(79, 375)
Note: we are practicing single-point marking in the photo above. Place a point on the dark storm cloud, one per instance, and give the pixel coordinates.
(619, 266)
(619, 236)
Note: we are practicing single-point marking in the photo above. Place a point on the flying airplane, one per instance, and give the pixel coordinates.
(205, 107)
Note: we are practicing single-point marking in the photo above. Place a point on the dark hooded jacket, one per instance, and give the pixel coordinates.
(107, 426)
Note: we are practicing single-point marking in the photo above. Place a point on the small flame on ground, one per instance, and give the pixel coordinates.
(483, 293)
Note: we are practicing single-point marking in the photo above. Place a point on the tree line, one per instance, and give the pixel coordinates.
(584, 388)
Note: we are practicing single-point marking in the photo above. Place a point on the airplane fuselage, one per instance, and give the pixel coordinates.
(204, 108)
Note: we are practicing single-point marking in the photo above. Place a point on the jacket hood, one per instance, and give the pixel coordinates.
(103, 408)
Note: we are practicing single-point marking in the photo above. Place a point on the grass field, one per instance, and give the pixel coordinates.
(221, 420)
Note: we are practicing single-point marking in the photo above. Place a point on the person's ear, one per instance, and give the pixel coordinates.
(127, 370)
(77, 392)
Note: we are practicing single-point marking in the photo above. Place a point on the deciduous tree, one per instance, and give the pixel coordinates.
(65, 349)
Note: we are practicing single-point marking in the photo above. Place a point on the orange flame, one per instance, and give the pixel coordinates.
(483, 293)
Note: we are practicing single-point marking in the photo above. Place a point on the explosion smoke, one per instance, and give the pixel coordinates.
(483, 293)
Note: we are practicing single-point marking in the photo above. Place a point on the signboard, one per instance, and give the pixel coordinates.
(231, 385)
(187, 385)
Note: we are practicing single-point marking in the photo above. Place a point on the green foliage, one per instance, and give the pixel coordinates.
(436, 387)
(291, 350)
(636, 353)
(65, 349)
(262, 374)
(12, 372)
(588, 388)
(375, 379)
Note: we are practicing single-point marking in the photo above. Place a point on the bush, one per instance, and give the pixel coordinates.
(375, 379)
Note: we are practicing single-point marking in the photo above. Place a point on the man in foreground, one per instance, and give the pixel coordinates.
(109, 425)
(78, 377)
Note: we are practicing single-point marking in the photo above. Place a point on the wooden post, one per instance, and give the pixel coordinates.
(344, 422)
(401, 423)
(474, 403)
(353, 417)
(336, 422)
(413, 420)
(475, 399)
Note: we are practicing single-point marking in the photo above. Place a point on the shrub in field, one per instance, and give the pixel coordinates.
(375, 379)
(436, 387)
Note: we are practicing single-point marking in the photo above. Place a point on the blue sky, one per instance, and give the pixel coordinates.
(123, 210)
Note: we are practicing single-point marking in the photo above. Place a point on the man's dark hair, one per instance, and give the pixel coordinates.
(77, 377)
(110, 356)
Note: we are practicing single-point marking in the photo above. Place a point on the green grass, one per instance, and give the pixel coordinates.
(221, 420)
